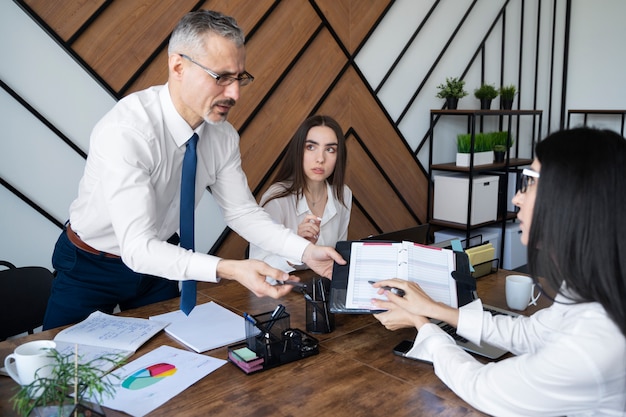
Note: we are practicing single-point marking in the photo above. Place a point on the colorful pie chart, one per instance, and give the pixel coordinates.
(149, 376)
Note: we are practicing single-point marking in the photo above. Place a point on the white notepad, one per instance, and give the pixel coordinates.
(207, 327)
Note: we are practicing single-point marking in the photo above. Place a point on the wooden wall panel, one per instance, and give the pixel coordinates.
(65, 17)
(155, 74)
(351, 19)
(374, 191)
(118, 43)
(288, 106)
(272, 50)
(360, 226)
(248, 13)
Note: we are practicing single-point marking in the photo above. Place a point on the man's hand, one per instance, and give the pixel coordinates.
(320, 259)
(251, 274)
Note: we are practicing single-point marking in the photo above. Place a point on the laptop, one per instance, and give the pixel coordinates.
(417, 234)
(486, 350)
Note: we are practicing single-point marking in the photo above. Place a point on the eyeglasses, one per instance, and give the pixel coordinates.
(223, 80)
(528, 178)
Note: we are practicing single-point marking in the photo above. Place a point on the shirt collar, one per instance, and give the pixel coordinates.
(302, 207)
(174, 122)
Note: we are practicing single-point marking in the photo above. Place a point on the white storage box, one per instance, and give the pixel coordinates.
(452, 196)
(515, 254)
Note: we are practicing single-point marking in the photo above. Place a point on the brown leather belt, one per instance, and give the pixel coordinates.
(77, 241)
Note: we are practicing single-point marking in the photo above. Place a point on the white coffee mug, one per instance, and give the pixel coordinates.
(520, 292)
(30, 361)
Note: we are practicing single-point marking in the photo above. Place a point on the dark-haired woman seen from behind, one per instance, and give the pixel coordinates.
(570, 358)
(309, 195)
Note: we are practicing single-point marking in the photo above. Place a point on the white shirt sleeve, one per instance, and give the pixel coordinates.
(568, 367)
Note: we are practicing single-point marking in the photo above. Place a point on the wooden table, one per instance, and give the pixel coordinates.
(355, 373)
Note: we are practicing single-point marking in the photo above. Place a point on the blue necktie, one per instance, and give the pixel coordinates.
(187, 203)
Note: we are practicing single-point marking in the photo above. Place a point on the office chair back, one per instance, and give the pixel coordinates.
(24, 293)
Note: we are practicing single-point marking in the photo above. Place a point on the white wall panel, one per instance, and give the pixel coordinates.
(27, 237)
(48, 78)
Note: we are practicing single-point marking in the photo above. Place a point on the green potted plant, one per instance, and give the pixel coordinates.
(485, 93)
(483, 153)
(501, 141)
(69, 389)
(507, 94)
(499, 151)
(452, 90)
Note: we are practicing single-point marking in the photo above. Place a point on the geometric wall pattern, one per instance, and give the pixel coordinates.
(302, 54)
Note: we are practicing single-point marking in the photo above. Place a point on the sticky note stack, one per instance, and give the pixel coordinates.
(246, 359)
(481, 257)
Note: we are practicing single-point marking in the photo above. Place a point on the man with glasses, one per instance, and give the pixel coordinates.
(115, 249)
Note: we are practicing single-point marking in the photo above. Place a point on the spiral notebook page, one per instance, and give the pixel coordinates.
(429, 267)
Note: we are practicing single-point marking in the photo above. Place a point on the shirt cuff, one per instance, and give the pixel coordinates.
(429, 338)
(203, 267)
(470, 325)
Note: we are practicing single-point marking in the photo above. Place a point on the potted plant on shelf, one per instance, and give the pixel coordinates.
(501, 141)
(70, 388)
(485, 93)
(499, 151)
(452, 90)
(507, 94)
(483, 153)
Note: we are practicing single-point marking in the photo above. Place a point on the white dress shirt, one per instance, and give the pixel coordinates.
(571, 360)
(291, 212)
(128, 200)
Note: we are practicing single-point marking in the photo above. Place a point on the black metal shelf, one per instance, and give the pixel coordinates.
(510, 164)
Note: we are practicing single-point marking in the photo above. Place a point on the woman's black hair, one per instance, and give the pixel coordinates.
(578, 232)
(291, 171)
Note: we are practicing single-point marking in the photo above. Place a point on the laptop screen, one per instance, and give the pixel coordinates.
(417, 234)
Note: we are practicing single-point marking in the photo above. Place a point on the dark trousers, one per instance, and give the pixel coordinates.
(86, 283)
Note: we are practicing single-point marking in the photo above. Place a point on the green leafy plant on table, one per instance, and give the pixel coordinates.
(52, 396)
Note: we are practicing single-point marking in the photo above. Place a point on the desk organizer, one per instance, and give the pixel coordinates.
(271, 343)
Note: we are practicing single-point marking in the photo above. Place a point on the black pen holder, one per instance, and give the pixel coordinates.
(274, 342)
(319, 319)
(267, 344)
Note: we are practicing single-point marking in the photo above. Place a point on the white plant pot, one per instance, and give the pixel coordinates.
(480, 158)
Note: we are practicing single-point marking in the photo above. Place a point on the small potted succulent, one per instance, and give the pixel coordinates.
(507, 94)
(485, 93)
(499, 151)
(452, 90)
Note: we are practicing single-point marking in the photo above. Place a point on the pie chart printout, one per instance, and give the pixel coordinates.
(148, 376)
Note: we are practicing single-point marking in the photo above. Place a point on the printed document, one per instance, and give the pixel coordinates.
(151, 380)
(104, 334)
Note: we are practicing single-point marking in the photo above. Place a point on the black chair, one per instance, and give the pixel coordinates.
(24, 293)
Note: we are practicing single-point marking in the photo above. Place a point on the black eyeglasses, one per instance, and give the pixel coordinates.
(223, 80)
(528, 178)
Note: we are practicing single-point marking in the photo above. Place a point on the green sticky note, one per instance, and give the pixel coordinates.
(245, 354)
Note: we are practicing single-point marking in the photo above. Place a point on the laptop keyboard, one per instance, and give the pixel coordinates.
(494, 312)
(452, 332)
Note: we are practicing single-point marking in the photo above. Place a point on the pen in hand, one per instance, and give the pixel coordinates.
(296, 284)
(397, 291)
